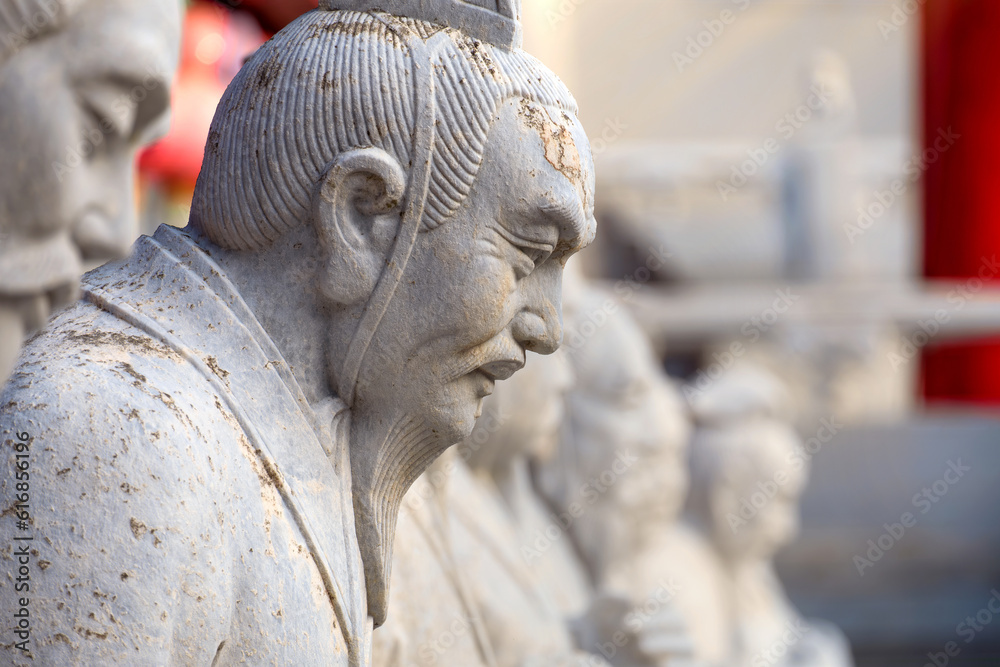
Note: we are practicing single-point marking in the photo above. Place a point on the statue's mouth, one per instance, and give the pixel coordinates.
(485, 382)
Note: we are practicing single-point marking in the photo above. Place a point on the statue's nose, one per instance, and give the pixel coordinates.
(536, 333)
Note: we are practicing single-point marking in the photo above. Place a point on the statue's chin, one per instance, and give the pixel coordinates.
(451, 415)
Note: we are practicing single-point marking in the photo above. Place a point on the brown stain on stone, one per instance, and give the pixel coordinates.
(127, 367)
(213, 364)
(557, 140)
(138, 527)
(116, 339)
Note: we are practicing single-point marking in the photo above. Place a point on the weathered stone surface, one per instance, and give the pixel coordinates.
(222, 431)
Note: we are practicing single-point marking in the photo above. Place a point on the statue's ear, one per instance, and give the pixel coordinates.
(356, 210)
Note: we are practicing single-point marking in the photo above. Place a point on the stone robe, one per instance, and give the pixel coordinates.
(546, 545)
(187, 504)
(735, 618)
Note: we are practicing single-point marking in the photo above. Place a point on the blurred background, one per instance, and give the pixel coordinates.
(810, 185)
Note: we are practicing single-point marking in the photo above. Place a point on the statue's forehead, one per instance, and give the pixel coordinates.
(127, 37)
(565, 146)
(549, 149)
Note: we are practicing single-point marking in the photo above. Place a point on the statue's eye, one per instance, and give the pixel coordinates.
(530, 257)
(529, 253)
(107, 110)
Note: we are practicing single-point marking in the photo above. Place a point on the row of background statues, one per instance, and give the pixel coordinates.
(218, 462)
(565, 520)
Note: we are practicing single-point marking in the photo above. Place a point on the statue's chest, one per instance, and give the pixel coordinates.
(282, 613)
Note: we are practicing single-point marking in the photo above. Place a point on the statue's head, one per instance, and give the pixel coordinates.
(746, 482)
(747, 467)
(83, 83)
(429, 179)
(622, 457)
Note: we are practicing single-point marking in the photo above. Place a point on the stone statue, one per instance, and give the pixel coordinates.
(748, 472)
(456, 542)
(75, 104)
(522, 428)
(222, 431)
(618, 483)
(458, 538)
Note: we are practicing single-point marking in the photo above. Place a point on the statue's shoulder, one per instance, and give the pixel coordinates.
(89, 374)
(123, 475)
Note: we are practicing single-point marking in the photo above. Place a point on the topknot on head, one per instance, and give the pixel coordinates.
(494, 21)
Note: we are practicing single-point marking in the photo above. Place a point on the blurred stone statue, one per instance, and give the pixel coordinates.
(618, 483)
(468, 596)
(223, 430)
(83, 84)
(521, 429)
(748, 471)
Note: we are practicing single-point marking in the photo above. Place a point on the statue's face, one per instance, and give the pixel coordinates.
(774, 523)
(74, 108)
(631, 435)
(485, 287)
(632, 411)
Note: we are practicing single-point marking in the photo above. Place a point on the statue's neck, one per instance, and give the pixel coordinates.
(285, 303)
(387, 452)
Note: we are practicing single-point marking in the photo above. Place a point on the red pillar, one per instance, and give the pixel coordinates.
(961, 94)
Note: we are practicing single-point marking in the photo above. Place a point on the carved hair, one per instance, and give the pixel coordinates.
(334, 81)
(22, 21)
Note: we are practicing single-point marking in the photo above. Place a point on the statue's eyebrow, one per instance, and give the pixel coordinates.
(567, 214)
(147, 91)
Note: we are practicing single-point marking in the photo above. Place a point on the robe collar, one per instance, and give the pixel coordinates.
(174, 291)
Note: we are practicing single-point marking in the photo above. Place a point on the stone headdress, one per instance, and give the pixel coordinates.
(494, 21)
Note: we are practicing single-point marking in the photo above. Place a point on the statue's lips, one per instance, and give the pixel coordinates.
(490, 373)
(501, 369)
(485, 383)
